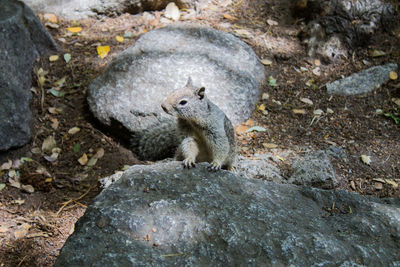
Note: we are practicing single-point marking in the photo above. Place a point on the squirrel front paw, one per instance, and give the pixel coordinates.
(214, 166)
(189, 163)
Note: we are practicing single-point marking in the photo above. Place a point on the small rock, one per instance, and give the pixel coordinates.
(363, 81)
(172, 11)
(307, 101)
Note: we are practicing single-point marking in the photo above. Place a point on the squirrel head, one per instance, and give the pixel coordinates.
(188, 102)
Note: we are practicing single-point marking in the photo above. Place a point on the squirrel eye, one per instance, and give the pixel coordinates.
(182, 102)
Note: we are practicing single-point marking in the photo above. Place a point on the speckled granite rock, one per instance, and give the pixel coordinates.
(162, 60)
(22, 40)
(164, 215)
(362, 82)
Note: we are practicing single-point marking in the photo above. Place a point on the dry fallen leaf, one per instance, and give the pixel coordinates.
(261, 107)
(102, 51)
(53, 58)
(269, 145)
(73, 130)
(352, 185)
(28, 188)
(100, 153)
(6, 165)
(366, 159)
(299, 111)
(92, 161)
(74, 29)
(393, 75)
(119, 38)
(272, 22)
(50, 17)
(229, 17)
(317, 71)
(241, 129)
(83, 160)
(266, 62)
(265, 96)
(377, 53)
(318, 112)
(53, 110)
(306, 101)
(256, 129)
(392, 183)
(54, 123)
(49, 143)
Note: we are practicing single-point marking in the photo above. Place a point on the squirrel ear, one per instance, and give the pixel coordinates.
(200, 92)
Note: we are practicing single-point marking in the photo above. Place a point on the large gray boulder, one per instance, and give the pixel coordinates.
(164, 215)
(78, 9)
(22, 40)
(131, 89)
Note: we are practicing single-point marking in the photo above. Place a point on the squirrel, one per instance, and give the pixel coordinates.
(201, 132)
(205, 132)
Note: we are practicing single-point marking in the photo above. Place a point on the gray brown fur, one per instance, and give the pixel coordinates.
(158, 142)
(204, 131)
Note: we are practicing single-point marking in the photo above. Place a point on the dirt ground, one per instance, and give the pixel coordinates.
(35, 225)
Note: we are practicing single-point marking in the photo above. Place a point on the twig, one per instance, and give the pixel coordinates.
(19, 264)
(73, 200)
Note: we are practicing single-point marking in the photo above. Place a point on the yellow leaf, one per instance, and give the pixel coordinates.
(261, 107)
(74, 29)
(42, 80)
(119, 38)
(83, 160)
(48, 180)
(280, 158)
(393, 75)
(53, 58)
(102, 51)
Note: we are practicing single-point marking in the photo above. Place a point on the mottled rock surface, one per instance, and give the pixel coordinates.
(22, 40)
(338, 26)
(260, 167)
(163, 215)
(362, 82)
(315, 170)
(131, 89)
(78, 9)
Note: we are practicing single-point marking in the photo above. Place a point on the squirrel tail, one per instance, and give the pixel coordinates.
(156, 143)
